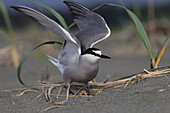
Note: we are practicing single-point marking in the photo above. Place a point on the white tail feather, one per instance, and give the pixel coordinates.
(53, 60)
(56, 63)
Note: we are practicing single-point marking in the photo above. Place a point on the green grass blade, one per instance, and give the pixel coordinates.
(25, 57)
(5, 35)
(8, 24)
(103, 5)
(142, 34)
(6, 17)
(57, 15)
(19, 70)
(140, 30)
(154, 53)
(71, 25)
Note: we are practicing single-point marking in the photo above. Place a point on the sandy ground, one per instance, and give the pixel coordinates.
(150, 95)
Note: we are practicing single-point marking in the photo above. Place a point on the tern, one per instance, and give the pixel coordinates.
(77, 61)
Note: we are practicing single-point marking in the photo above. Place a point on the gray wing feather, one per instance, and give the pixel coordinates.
(45, 21)
(93, 27)
(71, 48)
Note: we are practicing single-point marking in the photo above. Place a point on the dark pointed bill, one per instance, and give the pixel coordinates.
(106, 57)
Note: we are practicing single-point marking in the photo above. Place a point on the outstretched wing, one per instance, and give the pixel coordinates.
(71, 48)
(93, 27)
(47, 22)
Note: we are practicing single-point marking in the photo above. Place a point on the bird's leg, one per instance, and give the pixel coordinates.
(48, 93)
(63, 102)
(87, 87)
(88, 90)
(68, 89)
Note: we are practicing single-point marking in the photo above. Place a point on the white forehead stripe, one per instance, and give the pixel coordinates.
(97, 52)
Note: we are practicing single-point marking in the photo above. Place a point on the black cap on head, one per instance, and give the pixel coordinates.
(92, 51)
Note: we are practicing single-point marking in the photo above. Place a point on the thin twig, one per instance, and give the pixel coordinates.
(52, 107)
(26, 91)
(118, 86)
(13, 89)
(129, 82)
(38, 96)
(121, 81)
(146, 71)
(79, 90)
(59, 92)
(143, 72)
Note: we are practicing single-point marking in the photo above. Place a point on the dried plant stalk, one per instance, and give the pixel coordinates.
(149, 74)
(15, 57)
(52, 107)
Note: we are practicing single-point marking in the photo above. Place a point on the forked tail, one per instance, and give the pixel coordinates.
(55, 62)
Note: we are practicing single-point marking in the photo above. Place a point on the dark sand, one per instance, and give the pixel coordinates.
(150, 95)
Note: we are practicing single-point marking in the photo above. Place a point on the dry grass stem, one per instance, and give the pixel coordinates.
(131, 79)
(52, 107)
(25, 91)
(38, 96)
(47, 84)
(149, 59)
(146, 71)
(14, 89)
(15, 57)
(77, 91)
(65, 95)
(118, 86)
(59, 92)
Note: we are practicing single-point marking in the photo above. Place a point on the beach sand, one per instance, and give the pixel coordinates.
(150, 95)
